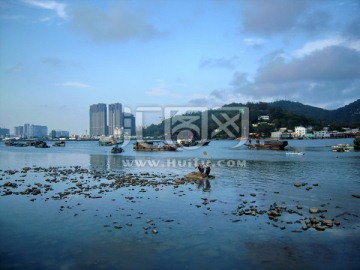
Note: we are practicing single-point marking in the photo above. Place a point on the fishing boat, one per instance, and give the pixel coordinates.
(204, 142)
(152, 146)
(59, 144)
(41, 144)
(342, 147)
(186, 143)
(189, 143)
(108, 141)
(117, 149)
(10, 143)
(268, 145)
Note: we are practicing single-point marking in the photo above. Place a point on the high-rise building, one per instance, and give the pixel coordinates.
(19, 131)
(116, 120)
(98, 120)
(129, 124)
(4, 132)
(38, 131)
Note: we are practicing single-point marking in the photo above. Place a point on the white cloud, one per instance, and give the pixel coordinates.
(318, 45)
(254, 42)
(59, 8)
(75, 84)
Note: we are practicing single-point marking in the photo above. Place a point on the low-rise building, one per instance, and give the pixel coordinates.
(276, 135)
(322, 134)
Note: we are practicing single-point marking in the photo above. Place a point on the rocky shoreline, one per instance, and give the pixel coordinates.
(95, 184)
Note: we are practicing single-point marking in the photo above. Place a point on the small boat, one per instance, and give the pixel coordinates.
(186, 143)
(189, 143)
(41, 144)
(59, 144)
(108, 141)
(295, 153)
(342, 148)
(117, 150)
(21, 144)
(10, 142)
(268, 145)
(152, 146)
(204, 142)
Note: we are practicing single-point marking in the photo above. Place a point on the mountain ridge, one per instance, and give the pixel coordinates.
(346, 115)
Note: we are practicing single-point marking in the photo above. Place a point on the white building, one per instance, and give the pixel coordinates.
(322, 134)
(299, 132)
(264, 118)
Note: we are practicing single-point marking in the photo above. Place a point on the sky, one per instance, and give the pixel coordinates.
(58, 57)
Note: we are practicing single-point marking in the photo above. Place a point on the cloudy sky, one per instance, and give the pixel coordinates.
(58, 57)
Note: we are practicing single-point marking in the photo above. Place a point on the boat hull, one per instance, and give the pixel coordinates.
(272, 145)
(151, 147)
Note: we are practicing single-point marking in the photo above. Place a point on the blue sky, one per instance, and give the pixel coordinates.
(59, 57)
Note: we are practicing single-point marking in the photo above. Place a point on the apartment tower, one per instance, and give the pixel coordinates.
(98, 120)
(116, 120)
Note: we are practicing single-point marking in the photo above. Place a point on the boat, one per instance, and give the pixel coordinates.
(59, 144)
(342, 147)
(108, 141)
(189, 143)
(117, 149)
(41, 144)
(152, 146)
(268, 145)
(186, 143)
(295, 153)
(10, 142)
(204, 142)
(357, 143)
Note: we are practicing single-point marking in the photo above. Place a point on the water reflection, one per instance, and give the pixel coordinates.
(111, 162)
(204, 185)
(99, 162)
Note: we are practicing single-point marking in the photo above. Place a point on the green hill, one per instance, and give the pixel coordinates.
(347, 115)
(282, 113)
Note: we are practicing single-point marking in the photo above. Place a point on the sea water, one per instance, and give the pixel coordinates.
(191, 225)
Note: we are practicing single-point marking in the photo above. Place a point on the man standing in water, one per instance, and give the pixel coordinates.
(200, 168)
(207, 169)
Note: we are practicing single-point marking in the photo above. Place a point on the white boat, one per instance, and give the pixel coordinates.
(295, 153)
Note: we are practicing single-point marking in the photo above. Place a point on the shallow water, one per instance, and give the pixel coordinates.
(195, 222)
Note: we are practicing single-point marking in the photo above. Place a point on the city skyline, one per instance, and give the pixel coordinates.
(110, 120)
(58, 57)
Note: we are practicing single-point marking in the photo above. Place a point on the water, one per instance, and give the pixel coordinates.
(196, 226)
